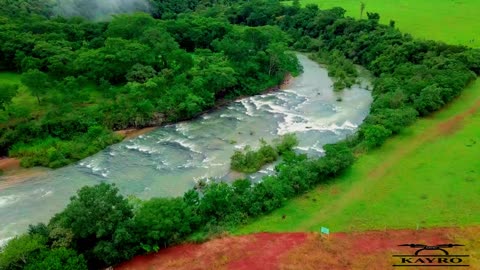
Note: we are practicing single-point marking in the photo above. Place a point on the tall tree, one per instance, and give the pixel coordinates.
(37, 82)
(7, 92)
(362, 9)
(92, 216)
(19, 251)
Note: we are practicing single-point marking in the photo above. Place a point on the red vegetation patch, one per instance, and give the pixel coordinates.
(374, 250)
(257, 251)
(360, 250)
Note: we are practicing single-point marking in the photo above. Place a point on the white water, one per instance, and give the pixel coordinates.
(169, 160)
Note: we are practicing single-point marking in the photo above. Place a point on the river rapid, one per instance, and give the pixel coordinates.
(169, 160)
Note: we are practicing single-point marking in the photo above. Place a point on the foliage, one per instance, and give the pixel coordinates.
(7, 92)
(374, 135)
(160, 222)
(20, 251)
(250, 161)
(133, 71)
(93, 217)
(285, 143)
(37, 82)
(57, 259)
(53, 152)
(342, 70)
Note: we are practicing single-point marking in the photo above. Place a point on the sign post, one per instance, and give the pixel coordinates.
(325, 231)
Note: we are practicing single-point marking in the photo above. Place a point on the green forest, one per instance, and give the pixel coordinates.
(89, 78)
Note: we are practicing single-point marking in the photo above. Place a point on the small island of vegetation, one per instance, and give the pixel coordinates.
(250, 161)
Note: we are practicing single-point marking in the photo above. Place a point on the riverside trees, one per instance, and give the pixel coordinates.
(103, 228)
(133, 71)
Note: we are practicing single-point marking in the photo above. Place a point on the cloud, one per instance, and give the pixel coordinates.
(98, 9)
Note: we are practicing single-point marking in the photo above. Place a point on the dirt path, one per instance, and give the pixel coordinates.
(441, 129)
(367, 250)
(13, 174)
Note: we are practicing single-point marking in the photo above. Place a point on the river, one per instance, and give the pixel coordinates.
(168, 160)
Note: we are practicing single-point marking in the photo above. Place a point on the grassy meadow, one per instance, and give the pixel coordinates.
(429, 175)
(452, 21)
(426, 177)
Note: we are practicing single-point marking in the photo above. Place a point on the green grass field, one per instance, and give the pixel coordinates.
(452, 21)
(428, 176)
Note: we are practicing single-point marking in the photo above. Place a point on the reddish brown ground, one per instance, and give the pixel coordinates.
(366, 250)
(258, 251)
(12, 173)
(9, 164)
(374, 250)
(134, 132)
(453, 124)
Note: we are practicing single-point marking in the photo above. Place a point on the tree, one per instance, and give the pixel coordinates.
(93, 216)
(362, 9)
(393, 119)
(337, 158)
(391, 23)
(191, 106)
(129, 26)
(20, 250)
(373, 16)
(7, 92)
(268, 195)
(375, 135)
(429, 100)
(37, 82)
(216, 203)
(160, 222)
(20, 8)
(296, 4)
(140, 73)
(40, 229)
(57, 259)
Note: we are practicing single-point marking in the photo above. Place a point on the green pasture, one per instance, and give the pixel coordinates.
(428, 176)
(452, 21)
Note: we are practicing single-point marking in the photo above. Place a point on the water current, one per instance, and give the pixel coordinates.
(168, 160)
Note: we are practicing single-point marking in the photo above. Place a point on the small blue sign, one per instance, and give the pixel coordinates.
(325, 230)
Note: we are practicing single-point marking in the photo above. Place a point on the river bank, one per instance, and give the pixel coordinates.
(169, 160)
(12, 173)
(132, 132)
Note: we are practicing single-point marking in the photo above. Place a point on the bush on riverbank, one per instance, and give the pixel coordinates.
(54, 153)
(106, 228)
(249, 161)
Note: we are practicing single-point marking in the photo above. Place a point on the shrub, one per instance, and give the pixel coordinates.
(250, 161)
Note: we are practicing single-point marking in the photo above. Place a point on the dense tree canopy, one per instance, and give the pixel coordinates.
(132, 71)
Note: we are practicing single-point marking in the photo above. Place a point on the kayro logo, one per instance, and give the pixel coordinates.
(431, 256)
